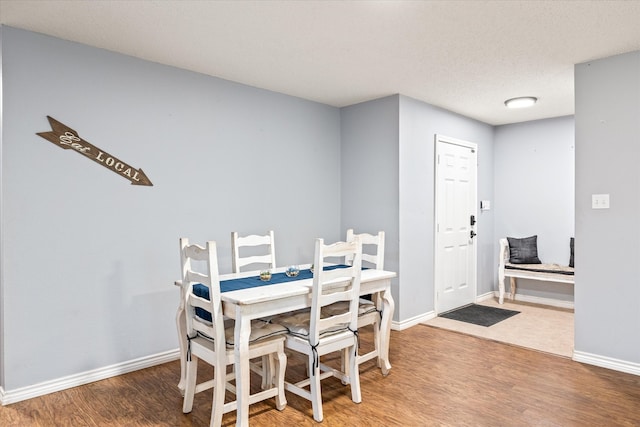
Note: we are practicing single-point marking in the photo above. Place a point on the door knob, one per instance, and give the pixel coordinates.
(473, 234)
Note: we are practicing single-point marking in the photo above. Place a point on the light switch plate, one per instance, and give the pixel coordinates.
(599, 201)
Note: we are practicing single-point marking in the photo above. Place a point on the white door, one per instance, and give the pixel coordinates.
(456, 193)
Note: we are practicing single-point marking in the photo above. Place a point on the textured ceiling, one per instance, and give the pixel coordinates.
(464, 56)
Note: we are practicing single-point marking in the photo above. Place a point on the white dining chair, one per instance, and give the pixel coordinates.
(372, 248)
(368, 310)
(255, 252)
(315, 334)
(369, 313)
(263, 255)
(211, 337)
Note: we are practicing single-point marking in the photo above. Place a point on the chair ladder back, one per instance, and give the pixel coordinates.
(205, 258)
(368, 241)
(237, 242)
(330, 286)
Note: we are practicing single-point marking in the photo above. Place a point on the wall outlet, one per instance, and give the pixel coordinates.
(599, 201)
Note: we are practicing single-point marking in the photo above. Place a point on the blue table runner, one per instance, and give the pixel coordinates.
(251, 282)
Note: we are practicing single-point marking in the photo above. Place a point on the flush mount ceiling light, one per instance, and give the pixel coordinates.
(521, 102)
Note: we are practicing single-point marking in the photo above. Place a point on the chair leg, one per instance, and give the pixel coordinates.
(190, 384)
(344, 363)
(354, 378)
(376, 342)
(267, 371)
(280, 368)
(377, 300)
(219, 390)
(316, 393)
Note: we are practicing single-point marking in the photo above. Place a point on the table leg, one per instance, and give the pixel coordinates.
(242, 332)
(388, 306)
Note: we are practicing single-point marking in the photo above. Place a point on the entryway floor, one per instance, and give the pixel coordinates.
(542, 328)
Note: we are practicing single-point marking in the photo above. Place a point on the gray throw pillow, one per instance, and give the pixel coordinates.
(523, 251)
(571, 257)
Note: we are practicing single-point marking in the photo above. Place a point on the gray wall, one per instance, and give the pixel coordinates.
(2, 299)
(397, 133)
(419, 123)
(369, 164)
(534, 194)
(608, 256)
(89, 260)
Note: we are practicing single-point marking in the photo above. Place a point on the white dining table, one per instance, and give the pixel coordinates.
(245, 305)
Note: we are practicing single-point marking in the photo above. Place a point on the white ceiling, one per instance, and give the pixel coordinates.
(464, 56)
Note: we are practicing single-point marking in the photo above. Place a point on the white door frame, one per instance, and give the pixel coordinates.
(439, 139)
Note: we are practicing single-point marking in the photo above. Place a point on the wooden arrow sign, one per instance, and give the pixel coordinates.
(65, 137)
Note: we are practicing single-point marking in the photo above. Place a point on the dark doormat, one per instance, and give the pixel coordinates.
(479, 314)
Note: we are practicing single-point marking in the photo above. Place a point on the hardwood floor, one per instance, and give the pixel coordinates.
(439, 378)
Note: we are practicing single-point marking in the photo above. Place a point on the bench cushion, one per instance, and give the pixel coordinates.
(541, 268)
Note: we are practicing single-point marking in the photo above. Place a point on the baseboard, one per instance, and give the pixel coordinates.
(538, 300)
(406, 324)
(12, 396)
(484, 297)
(607, 362)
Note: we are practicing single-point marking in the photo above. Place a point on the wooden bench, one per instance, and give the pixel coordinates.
(542, 272)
